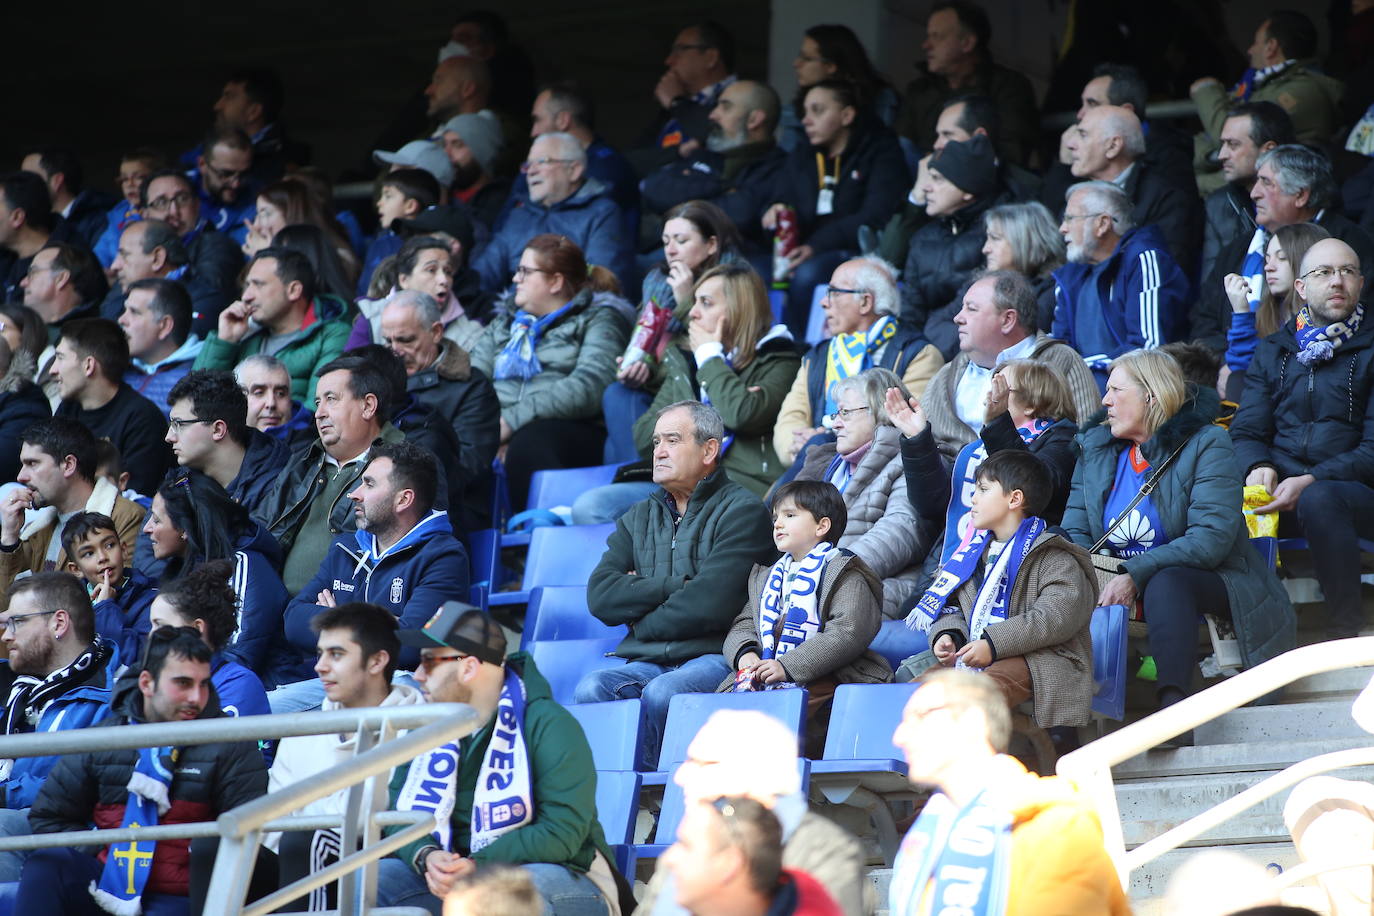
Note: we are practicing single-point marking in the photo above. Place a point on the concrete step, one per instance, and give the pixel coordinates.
(1329, 685)
(1150, 882)
(1230, 758)
(1290, 722)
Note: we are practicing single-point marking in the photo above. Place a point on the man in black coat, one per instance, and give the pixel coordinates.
(214, 257)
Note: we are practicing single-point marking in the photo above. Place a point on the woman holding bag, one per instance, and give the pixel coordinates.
(1158, 488)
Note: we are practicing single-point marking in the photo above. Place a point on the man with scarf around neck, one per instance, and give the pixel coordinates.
(58, 678)
(1305, 427)
(994, 837)
(520, 790)
(154, 786)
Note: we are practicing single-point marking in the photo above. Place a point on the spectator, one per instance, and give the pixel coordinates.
(81, 210)
(214, 257)
(426, 155)
(864, 333)
(1120, 289)
(959, 61)
(1293, 184)
(748, 753)
(279, 315)
(1023, 237)
(64, 283)
(157, 323)
(1168, 152)
(251, 101)
(859, 171)
(454, 226)
(695, 541)
(332, 276)
(1303, 435)
(57, 480)
(996, 324)
(134, 167)
(735, 169)
(193, 522)
(90, 363)
(440, 376)
(119, 594)
(728, 859)
(25, 227)
(697, 237)
(222, 173)
(289, 202)
(204, 601)
(551, 829)
(565, 201)
(403, 557)
(1049, 856)
(267, 385)
(473, 144)
(1250, 130)
(24, 330)
(309, 505)
(1109, 146)
(833, 52)
(961, 185)
(551, 352)
(209, 434)
(57, 677)
(403, 193)
(150, 249)
(486, 36)
(424, 265)
(356, 655)
(1183, 545)
(171, 683)
(461, 84)
(700, 66)
(21, 402)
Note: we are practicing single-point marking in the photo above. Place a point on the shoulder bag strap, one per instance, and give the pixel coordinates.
(1145, 490)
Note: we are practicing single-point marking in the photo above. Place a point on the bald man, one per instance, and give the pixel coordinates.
(1305, 427)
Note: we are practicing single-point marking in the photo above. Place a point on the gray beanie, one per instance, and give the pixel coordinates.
(481, 132)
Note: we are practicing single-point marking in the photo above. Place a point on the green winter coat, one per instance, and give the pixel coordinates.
(565, 830)
(311, 348)
(577, 355)
(748, 402)
(690, 578)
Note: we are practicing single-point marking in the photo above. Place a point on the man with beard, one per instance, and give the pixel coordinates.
(170, 196)
(473, 143)
(57, 679)
(222, 177)
(736, 169)
(1303, 427)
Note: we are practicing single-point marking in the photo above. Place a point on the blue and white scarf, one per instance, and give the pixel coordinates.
(517, 358)
(502, 801)
(995, 591)
(1318, 343)
(1252, 268)
(963, 482)
(120, 889)
(792, 593)
(965, 852)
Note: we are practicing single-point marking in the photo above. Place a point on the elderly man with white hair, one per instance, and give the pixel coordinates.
(748, 753)
(1109, 145)
(862, 331)
(562, 200)
(1120, 289)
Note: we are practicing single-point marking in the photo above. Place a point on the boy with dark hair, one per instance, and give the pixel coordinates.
(120, 594)
(1016, 600)
(402, 194)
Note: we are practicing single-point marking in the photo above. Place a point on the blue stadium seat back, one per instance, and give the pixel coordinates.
(1108, 629)
(615, 731)
(560, 612)
(1268, 550)
(559, 556)
(500, 494)
(9, 890)
(617, 804)
(687, 712)
(562, 487)
(484, 555)
(862, 721)
(777, 301)
(564, 661)
(815, 321)
(675, 805)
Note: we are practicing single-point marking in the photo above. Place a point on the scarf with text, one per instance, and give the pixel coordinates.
(1318, 343)
(128, 865)
(1254, 78)
(996, 588)
(517, 358)
(850, 354)
(792, 595)
(30, 695)
(957, 858)
(962, 483)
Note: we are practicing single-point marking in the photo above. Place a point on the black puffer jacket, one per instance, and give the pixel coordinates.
(21, 403)
(1309, 420)
(942, 255)
(207, 780)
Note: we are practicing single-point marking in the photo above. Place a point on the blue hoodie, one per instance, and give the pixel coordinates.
(123, 619)
(412, 578)
(1138, 297)
(262, 596)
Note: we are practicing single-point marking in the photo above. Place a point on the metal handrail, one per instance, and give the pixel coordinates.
(1089, 767)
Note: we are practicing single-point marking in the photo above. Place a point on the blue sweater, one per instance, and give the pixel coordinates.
(262, 596)
(123, 619)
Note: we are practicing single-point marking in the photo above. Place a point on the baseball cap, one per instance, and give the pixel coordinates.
(463, 627)
(419, 154)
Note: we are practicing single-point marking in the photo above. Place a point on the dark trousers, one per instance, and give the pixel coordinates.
(301, 853)
(203, 852)
(545, 444)
(56, 882)
(1175, 599)
(1334, 515)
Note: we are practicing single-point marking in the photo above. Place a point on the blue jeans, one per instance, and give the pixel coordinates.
(655, 685)
(13, 822)
(600, 505)
(565, 892)
(897, 642)
(56, 881)
(622, 406)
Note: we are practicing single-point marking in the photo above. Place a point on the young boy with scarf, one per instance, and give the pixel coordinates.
(811, 615)
(1015, 601)
(120, 594)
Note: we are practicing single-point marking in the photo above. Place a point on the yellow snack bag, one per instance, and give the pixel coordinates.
(1265, 525)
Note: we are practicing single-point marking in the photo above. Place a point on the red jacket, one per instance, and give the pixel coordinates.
(799, 894)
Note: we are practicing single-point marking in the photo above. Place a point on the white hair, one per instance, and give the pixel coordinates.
(566, 146)
(877, 277)
(1120, 122)
(425, 306)
(1105, 197)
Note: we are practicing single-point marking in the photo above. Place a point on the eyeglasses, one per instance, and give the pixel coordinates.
(230, 176)
(529, 164)
(1069, 217)
(523, 272)
(832, 290)
(177, 425)
(39, 268)
(12, 623)
(847, 413)
(163, 204)
(429, 662)
(1325, 273)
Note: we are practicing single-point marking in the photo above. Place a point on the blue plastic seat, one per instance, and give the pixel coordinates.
(777, 301)
(1366, 546)
(484, 553)
(617, 805)
(560, 612)
(559, 487)
(559, 556)
(615, 731)
(9, 890)
(1109, 660)
(815, 321)
(564, 661)
(688, 712)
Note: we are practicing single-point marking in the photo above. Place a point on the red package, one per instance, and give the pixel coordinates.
(786, 239)
(650, 336)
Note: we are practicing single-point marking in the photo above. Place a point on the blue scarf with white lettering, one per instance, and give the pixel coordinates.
(120, 889)
(964, 563)
(502, 800)
(961, 484)
(792, 593)
(965, 852)
(517, 358)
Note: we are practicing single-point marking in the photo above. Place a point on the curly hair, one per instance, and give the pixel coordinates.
(205, 594)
